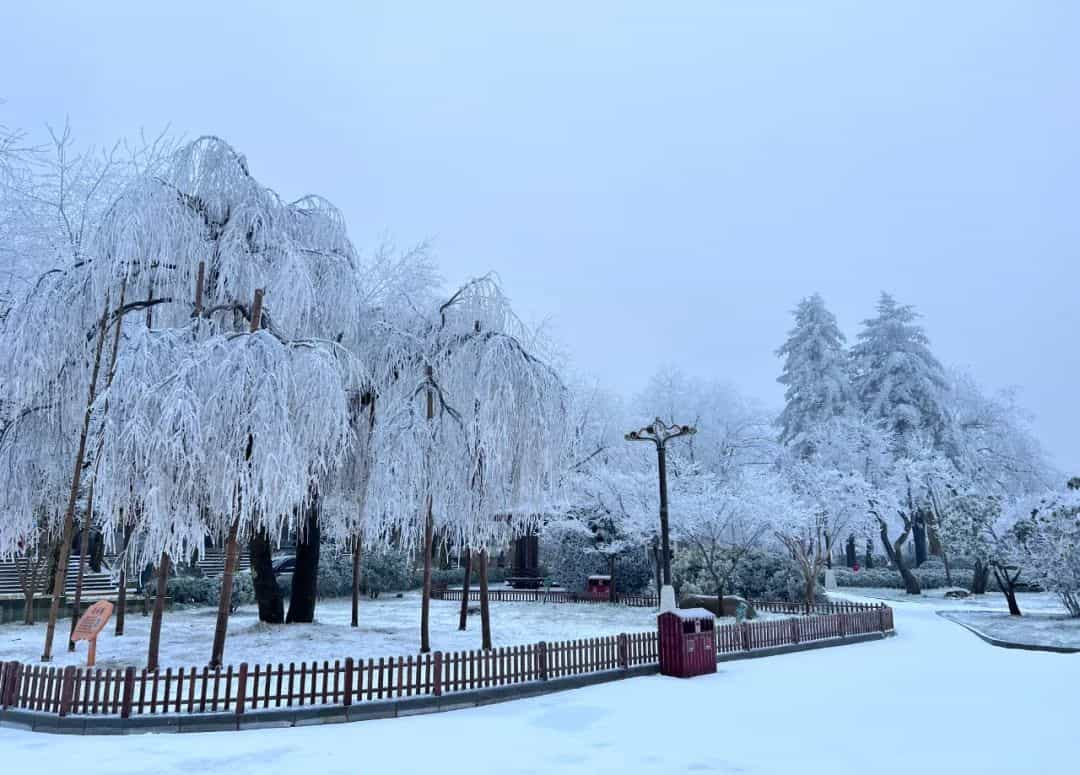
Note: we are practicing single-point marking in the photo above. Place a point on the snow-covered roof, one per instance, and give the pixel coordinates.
(690, 613)
(599, 578)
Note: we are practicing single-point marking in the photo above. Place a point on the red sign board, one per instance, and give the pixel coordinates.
(91, 624)
(93, 621)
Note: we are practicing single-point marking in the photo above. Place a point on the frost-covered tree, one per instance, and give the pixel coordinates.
(728, 520)
(733, 432)
(832, 494)
(896, 377)
(475, 449)
(1045, 541)
(990, 456)
(191, 241)
(815, 374)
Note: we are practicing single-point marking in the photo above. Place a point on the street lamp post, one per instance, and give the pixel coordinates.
(660, 434)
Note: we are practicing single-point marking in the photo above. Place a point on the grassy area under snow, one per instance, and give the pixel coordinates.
(389, 626)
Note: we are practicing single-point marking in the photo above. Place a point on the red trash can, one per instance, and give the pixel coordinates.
(687, 642)
(599, 587)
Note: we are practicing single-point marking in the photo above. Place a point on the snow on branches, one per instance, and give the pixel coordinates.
(492, 454)
(234, 427)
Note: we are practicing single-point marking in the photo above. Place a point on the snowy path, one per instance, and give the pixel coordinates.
(938, 697)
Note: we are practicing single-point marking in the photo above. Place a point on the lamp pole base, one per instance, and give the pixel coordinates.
(667, 598)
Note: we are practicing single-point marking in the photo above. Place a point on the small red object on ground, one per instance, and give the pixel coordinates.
(91, 624)
(687, 642)
(599, 587)
(855, 567)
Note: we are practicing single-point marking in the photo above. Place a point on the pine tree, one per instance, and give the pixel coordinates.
(815, 371)
(896, 377)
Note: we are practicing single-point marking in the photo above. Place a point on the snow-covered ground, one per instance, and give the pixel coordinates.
(388, 627)
(1044, 621)
(1032, 628)
(1035, 602)
(830, 712)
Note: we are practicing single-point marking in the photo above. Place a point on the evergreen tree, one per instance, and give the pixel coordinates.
(815, 371)
(896, 377)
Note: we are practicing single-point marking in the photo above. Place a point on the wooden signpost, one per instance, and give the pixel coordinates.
(92, 623)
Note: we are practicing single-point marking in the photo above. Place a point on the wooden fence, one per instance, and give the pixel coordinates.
(642, 601)
(130, 692)
(542, 596)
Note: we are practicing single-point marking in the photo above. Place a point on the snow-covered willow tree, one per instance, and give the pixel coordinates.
(204, 222)
(476, 447)
(197, 236)
(55, 335)
(229, 439)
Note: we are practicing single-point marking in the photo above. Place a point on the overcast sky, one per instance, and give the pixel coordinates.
(664, 185)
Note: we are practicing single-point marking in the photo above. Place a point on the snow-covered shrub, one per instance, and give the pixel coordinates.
(761, 575)
(383, 570)
(441, 578)
(205, 590)
(191, 590)
(335, 573)
(931, 575)
(769, 576)
(571, 558)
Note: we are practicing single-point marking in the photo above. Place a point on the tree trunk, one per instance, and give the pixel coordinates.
(28, 607)
(1007, 584)
(264, 580)
(869, 553)
(919, 537)
(30, 579)
(305, 581)
(159, 612)
(485, 614)
(895, 555)
(850, 558)
(614, 597)
(948, 571)
(425, 600)
(225, 597)
(121, 597)
(357, 548)
(73, 495)
(463, 619)
(980, 578)
(84, 550)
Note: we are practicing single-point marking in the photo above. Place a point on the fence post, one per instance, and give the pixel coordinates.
(744, 630)
(241, 690)
(5, 682)
(438, 674)
(11, 696)
(349, 665)
(129, 692)
(881, 617)
(624, 651)
(541, 661)
(67, 690)
(794, 627)
(843, 625)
